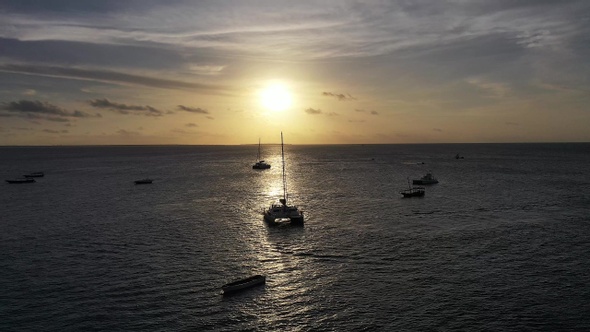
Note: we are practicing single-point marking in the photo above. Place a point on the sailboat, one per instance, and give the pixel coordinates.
(260, 164)
(412, 191)
(283, 211)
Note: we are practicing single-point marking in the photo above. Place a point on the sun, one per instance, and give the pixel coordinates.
(276, 97)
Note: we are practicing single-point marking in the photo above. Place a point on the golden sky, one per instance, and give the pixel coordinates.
(323, 72)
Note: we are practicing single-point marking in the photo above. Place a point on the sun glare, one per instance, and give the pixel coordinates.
(275, 97)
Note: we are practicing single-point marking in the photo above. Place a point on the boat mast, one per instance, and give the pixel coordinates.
(284, 200)
(258, 156)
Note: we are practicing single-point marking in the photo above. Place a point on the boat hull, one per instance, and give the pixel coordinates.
(414, 192)
(423, 182)
(242, 284)
(35, 175)
(279, 213)
(27, 180)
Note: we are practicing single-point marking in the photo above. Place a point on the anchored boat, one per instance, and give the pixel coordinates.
(242, 284)
(283, 211)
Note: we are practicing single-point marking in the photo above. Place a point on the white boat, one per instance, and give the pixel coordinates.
(426, 179)
(242, 284)
(283, 211)
(260, 164)
(413, 191)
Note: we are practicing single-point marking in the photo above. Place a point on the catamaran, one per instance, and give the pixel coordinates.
(283, 211)
(260, 164)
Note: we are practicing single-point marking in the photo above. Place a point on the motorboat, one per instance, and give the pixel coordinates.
(239, 285)
(143, 181)
(24, 180)
(35, 175)
(426, 179)
(413, 191)
(283, 212)
(260, 164)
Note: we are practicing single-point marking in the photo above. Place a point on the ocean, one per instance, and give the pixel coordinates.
(501, 243)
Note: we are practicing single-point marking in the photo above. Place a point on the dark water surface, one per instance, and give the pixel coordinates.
(502, 243)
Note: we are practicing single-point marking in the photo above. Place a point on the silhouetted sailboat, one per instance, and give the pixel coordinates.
(260, 164)
(283, 211)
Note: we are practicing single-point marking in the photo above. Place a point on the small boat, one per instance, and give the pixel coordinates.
(457, 156)
(413, 191)
(242, 284)
(426, 179)
(25, 180)
(143, 181)
(279, 212)
(35, 175)
(260, 164)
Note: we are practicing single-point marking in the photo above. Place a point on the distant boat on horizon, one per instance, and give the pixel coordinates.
(260, 164)
(426, 179)
(143, 181)
(35, 175)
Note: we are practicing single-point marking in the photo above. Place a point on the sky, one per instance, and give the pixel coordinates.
(130, 72)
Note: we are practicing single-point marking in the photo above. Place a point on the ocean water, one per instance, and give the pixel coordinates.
(501, 243)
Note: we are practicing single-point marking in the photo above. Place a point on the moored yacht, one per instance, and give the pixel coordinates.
(283, 211)
(260, 164)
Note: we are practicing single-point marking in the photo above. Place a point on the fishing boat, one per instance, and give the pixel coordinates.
(143, 181)
(35, 175)
(24, 180)
(426, 179)
(260, 164)
(412, 191)
(242, 284)
(283, 211)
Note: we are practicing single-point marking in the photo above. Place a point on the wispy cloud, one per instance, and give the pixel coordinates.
(339, 96)
(39, 110)
(127, 133)
(191, 125)
(124, 108)
(313, 111)
(51, 131)
(193, 109)
(110, 77)
(364, 111)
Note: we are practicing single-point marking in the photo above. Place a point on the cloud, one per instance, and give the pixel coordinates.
(363, 111)
(508, 123)
(38, 110)
(109, 77)
(193, 109)
(356, 121)
(29, 92)
(313, 111)
(191, 125)
(51, 131)
(339, 96)
(124, 108)
(124, 132)
(437, 129)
